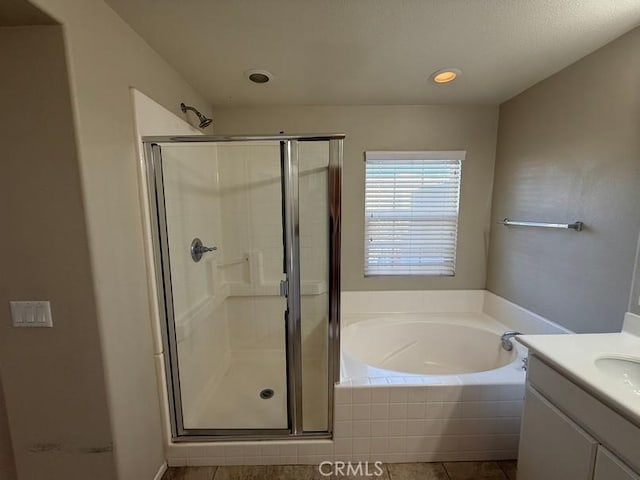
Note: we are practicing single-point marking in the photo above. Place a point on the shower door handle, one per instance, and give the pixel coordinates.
(284, 288)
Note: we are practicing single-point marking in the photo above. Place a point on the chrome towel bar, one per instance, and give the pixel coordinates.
(577, 226)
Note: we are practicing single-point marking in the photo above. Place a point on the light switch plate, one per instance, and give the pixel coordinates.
(31, 314)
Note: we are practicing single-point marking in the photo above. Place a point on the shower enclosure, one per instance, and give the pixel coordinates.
(247, 256)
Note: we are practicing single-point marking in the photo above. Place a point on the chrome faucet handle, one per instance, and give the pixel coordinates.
(506, 337)
(198, 249)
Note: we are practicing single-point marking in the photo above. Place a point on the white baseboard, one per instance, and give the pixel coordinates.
(161, 470)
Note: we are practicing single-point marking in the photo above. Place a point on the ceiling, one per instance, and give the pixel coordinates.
(20, 12)
(344, 52)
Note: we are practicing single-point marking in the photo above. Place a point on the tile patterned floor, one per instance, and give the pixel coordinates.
(505, 470)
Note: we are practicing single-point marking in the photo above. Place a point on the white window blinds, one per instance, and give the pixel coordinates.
(411, 212)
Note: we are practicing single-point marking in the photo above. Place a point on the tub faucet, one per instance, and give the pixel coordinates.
(506, 337)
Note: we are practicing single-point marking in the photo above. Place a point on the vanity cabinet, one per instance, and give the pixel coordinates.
(552, 446)
(610, 467)
(568, 434)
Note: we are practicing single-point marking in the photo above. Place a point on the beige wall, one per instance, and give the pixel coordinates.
(53, 379)
(7, 463)
(569, 149)
(470, 128)
(105, 59)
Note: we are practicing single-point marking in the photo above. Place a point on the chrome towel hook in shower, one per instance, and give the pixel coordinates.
(198, 249)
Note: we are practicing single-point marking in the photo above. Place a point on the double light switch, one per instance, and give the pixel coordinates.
(31, 314)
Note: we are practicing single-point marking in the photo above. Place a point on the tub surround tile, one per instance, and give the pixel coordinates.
(379, 428)
(342, 448)
(398, 395)
(380, 395)
(361, 445)
(361, 395)
(417, 395)
(397, 427)
(361, 428)
(416, 411)
(343, 429)
(204, 461)
(342, 412)
(379, 411)
(379, 445)
(478, 425)
(416, 428)
(343, 394)
(397, 445)
(398, 411)
(361, 412)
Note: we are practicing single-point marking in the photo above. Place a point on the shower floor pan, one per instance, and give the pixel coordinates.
(234, 401)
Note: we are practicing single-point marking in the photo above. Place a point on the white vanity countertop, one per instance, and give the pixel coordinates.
(575, 356)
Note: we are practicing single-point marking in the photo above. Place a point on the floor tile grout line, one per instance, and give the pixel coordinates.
(506, 474)
(446, 472)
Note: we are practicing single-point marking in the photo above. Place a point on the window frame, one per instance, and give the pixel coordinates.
(427, 156)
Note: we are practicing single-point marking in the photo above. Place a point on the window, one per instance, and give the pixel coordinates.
(411, 212)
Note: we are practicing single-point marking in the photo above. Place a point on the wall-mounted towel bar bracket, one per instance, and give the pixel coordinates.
(577, 226)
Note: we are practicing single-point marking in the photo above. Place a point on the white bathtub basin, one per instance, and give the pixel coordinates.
(443, 344)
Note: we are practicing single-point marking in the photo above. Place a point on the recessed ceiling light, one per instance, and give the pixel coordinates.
(258, 76)
(446, 75)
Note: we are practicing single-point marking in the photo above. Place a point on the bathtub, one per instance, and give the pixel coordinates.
(415, 347)
(425, 385)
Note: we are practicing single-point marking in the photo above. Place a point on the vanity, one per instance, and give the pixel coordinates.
(582, 406)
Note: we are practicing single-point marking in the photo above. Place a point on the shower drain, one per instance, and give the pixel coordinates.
(266, 394)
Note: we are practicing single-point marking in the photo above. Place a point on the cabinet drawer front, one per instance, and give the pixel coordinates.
(609, 467)
(611, 429)
(553, 447)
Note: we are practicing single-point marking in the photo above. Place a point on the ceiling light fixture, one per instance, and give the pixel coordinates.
(258, 76)
(446, 75)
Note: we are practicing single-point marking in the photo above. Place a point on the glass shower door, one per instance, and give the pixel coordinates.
(229, 328)
(247, 257)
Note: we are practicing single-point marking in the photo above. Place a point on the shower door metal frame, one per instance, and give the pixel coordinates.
(289, 158)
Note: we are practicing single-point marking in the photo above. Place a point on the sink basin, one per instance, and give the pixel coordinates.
(623, 370)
